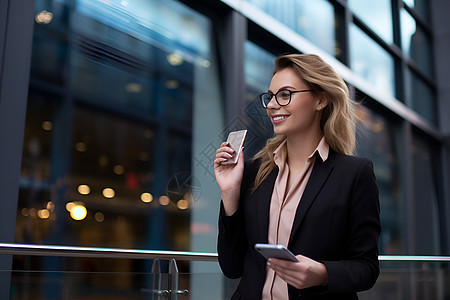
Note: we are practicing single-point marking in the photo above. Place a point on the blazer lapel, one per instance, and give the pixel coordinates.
(263, 197)
(319, 176)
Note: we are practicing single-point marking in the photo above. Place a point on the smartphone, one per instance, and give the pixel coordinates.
(275, 251)
(236, 140)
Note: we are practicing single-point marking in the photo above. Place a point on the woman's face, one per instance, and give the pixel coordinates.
(302, 115)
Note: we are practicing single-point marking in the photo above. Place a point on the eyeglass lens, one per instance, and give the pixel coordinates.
(282, 97)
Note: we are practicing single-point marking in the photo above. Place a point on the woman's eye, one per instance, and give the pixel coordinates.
(285, 95)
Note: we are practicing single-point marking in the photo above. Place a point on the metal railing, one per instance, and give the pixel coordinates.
(408, 274)
(73, 251)
(158, 289)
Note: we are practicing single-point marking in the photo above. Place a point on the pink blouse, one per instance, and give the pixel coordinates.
(283, 207)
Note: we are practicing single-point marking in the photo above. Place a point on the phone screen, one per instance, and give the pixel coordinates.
(275, 251)
(236, 140)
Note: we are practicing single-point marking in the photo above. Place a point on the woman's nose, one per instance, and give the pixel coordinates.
(273, 104)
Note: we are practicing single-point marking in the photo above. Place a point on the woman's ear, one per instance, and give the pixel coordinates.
(322, 101)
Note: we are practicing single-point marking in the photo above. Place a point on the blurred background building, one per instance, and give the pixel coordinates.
(111, 111)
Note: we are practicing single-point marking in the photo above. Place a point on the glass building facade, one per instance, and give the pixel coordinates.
(111, 112)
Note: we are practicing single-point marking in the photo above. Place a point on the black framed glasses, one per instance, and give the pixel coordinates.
(283, 97)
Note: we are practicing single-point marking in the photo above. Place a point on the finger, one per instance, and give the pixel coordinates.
(224, 155)
(285, 268)
(226, 145)
(219, 161)
(280, 263)
(293, 274)
(225, 149)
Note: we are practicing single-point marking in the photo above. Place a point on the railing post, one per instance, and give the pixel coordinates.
(173, 274)
(156, 286)
(173, 288)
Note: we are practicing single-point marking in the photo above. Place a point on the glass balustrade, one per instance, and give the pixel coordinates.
(166, 275)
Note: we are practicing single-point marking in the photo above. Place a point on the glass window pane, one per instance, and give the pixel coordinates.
(378, 140)
(312, 19)
(38, 134)
(377, 16)
(415, 42)
(423, 100)
(426, 210)
(123, 118)
(258, 68)
(371, 62)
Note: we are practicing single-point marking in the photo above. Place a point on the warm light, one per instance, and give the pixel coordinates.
(69, 206)
(51, 205)
(99, 217)
(43, 17)
(164, 200)
(80, 147)
(47, 125)
(24, 212)
(119, 169)
(172, 84)
(78, 212)
(146, 197)
(43, 214)
(108, 193)
(32, 212)
(174, 59)
(124, 3)
(182, 204)
(133, 87)
(84, 189)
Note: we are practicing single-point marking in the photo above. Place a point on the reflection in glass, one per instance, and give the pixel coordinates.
(371, 62)
(110, 122)
(415, 42)
(312, 19)
(37, 138)
(258, 68)
(376, 16)
(426, 210)
(423, 100)
(377, 140)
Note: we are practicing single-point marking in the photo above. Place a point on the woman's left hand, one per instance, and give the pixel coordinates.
(301, 275)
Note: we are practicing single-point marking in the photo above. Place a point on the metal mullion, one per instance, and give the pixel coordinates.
(445, 171)
(233, 67)
(16, 29)
(400, 65)
(421, 22)
(3, 27)
(413, 66)
(342, 14)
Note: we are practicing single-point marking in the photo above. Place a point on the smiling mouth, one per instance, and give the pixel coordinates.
(279, 118)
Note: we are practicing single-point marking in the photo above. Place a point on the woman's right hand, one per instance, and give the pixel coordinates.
(229, 177)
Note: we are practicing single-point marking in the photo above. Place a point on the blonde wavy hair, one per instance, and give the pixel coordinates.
(338, 119)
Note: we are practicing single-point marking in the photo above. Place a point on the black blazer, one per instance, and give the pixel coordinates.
(337, 223)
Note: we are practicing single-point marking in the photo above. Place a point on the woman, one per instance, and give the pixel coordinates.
(304, 190)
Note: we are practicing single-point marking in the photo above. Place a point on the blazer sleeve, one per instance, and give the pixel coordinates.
(360, 269)
(232, 241)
